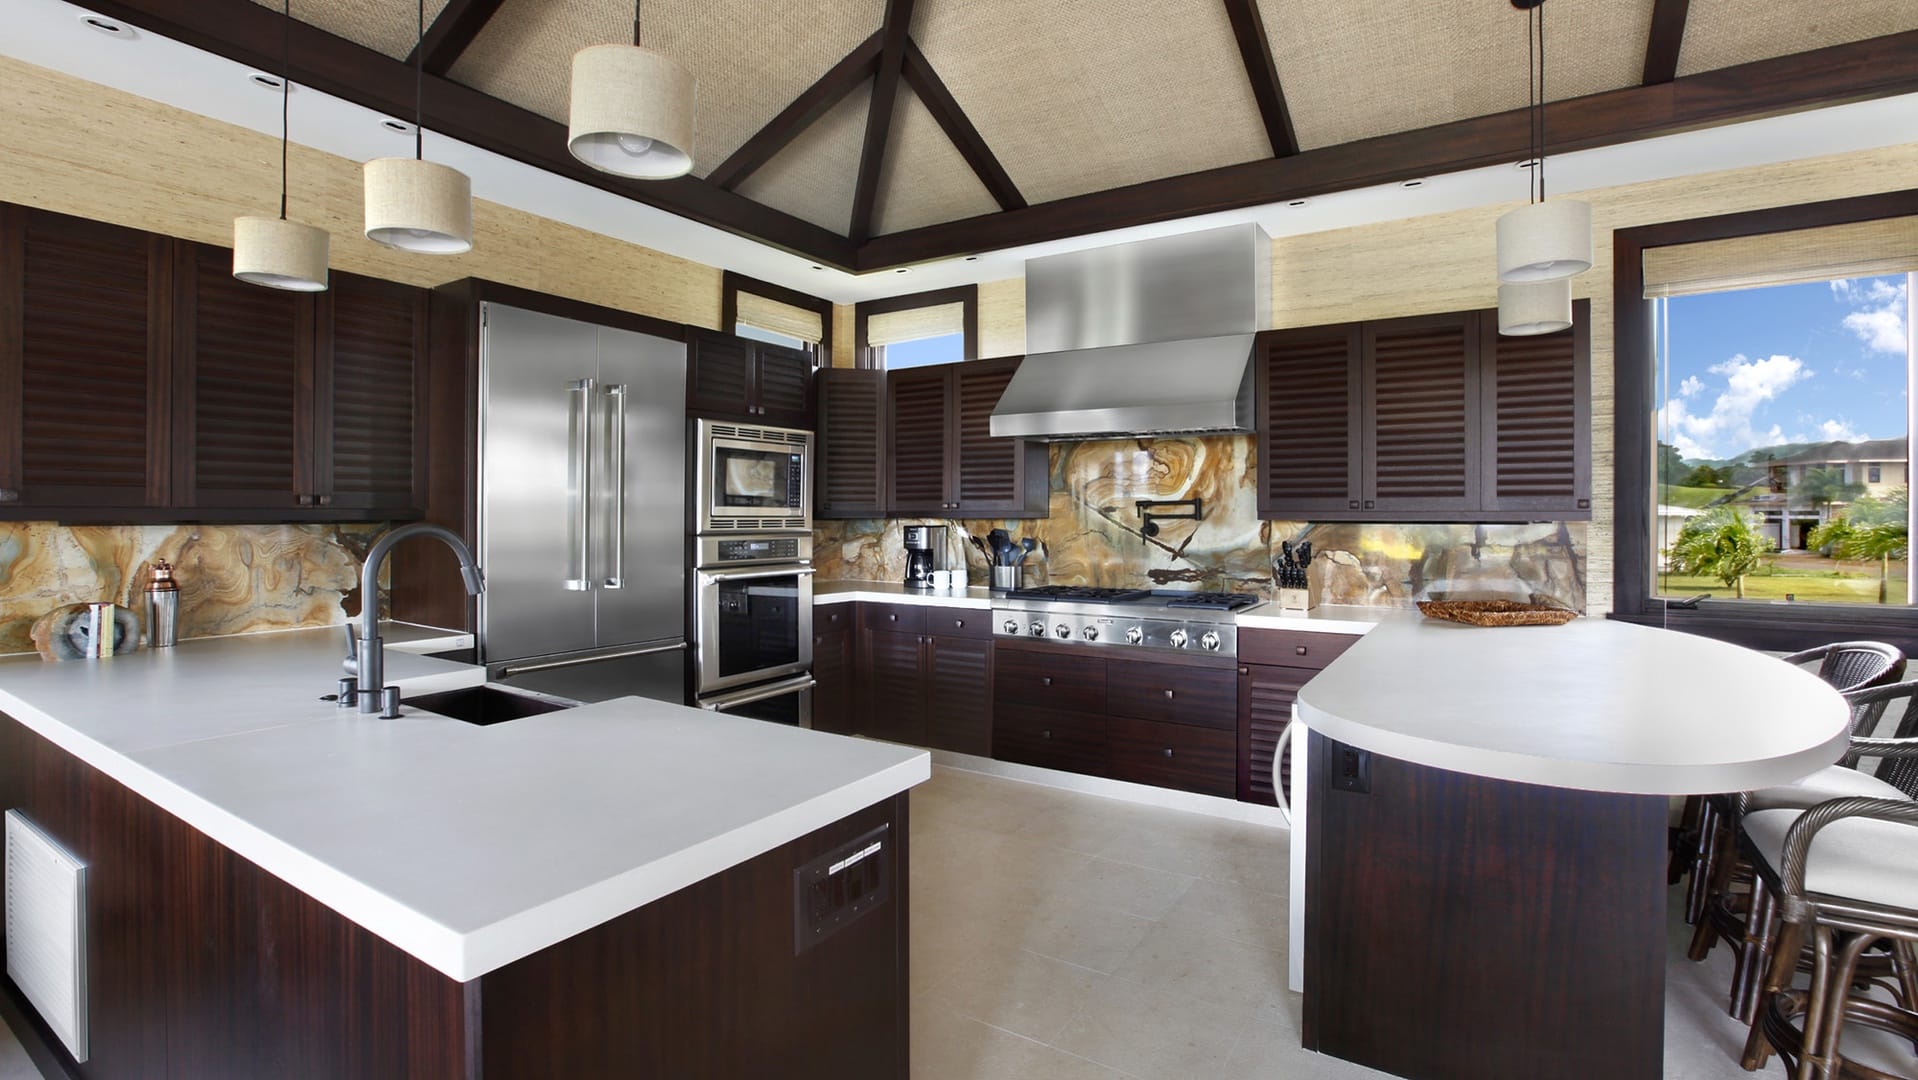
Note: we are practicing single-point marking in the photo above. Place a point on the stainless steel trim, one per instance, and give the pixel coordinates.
(617, 392)
(708, 435)
(722, 702)
(507, 671)
(750, 575)
(580, 480)
(706, 626)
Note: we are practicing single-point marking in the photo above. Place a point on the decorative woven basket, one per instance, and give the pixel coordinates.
(1496, 612)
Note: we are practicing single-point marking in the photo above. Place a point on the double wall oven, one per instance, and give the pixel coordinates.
(752, 571)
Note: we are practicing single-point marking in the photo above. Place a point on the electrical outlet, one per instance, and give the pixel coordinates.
(1352, 770)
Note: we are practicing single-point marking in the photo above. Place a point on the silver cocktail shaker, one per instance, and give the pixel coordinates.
(163, 607)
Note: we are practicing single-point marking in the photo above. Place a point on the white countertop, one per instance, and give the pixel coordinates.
(1324, 619)
(1593, 704)
(418, 639)
(891, 592)
(467, 847)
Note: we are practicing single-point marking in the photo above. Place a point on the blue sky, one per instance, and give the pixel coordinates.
(1791, 363)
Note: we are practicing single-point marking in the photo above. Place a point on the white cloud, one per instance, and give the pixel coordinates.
(1691, 387)
(1840, 430)
(1727, 429)
(1878, 313)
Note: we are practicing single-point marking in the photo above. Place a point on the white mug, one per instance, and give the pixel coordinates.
(942, 579)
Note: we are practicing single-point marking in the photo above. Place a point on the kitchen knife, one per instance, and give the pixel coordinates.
(1305, 554)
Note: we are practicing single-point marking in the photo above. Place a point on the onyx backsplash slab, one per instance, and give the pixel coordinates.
(1092, 537)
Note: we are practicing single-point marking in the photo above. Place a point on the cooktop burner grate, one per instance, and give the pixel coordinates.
(1216, 601)
(1084, 594)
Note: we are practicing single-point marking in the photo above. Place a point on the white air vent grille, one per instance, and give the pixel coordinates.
(776, 435)
(46, 930)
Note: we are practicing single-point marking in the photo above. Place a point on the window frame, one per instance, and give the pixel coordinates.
(1634, 372)
(731, 284)
(967, 296)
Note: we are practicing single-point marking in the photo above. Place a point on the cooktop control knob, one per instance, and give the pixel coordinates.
(1062, 630)
(1177, 639)
(1091, 633)
(1134, 635)
(1037, 629)
(1012, 626)
(1209, 641)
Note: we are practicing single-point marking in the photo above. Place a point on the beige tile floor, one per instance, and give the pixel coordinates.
(1062, 935)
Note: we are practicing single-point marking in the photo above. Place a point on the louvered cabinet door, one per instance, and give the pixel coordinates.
(83, 364)
(918, 458)
(719, 376)
(1266, 694)
(243, 406)
(1421, 417)
(959, 695)
(1536, 402)
(369, 453)
(782, 386)
(1310, 455)
(851, 441)
(992, 477)
(894, 693)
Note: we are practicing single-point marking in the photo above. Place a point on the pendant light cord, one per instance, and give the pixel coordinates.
(286, 88)
(419, 86)
(1541, 100)
(635, 22)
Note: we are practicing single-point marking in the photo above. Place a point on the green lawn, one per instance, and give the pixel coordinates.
(1827, 586)
(1696, 498)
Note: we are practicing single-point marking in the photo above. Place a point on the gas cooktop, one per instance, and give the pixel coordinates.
(1123, 618)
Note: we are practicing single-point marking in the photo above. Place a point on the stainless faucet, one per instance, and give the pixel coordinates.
(365, 683)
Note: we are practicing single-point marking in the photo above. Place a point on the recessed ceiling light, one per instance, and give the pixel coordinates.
(265, 81)
(903, 270)
(398, 126)
(1411, 183)
(108, 26)
(1528, 163)
(972, 258)
(816, 266)
(1295, 203)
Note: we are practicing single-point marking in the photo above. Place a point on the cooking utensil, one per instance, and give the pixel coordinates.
(984, 551)
(1002, 547)
(1027, 546)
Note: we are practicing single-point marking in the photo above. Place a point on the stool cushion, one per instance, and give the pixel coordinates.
(1828, 783)
(1857, 858)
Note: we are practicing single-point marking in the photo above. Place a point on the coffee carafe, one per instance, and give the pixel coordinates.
(925, 553)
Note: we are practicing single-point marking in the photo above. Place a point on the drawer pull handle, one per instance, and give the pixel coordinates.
(1047, 680)
(893, 618)
(1168, 695)
(1046, 734)
(959, 623)
(1299, 649)
(1245, 671)
(1168, 751)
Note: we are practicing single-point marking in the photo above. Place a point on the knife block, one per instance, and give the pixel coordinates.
(1295, 600)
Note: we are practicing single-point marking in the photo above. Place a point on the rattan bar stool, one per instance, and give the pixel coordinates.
(1846, 874)
(1745, 920)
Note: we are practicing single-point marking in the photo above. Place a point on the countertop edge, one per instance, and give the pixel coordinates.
(864, 592)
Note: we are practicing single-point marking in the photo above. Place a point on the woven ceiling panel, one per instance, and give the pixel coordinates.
(924, 179)
(1375, 67)
(813, 177)
(525, 53)
(389, 26)
(1095, 94)
(1721, 33)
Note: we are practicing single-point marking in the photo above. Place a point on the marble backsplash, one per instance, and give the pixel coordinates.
(1093, 537)
(234, 579)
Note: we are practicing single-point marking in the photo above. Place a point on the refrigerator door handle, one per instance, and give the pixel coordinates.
(617, 393)
(579, 481)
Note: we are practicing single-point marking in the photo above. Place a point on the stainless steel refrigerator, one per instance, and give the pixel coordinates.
(582, 484)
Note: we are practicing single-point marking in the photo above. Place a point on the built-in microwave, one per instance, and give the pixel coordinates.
(752, 479)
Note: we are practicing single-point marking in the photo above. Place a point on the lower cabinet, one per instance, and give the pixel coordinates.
(833, 669)
(925, 676)
(1274, 665)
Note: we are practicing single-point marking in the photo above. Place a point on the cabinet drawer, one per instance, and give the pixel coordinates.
(893, 618)
(958, 622)
(1050, 738)
(1174, 694)
(1049, 681)
(1180, 756)
(1293, 648)
(834, 618)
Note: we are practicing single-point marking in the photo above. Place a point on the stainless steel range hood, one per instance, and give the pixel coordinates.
(1147, 338)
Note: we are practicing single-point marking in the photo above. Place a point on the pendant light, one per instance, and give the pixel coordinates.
(632, 110)
(414, 204)
(1535, 307)
(1542, 241)
(275, 252)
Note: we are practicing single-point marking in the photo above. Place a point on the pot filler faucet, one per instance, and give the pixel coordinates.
(365, 682)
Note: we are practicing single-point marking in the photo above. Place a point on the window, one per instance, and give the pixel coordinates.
(1763, 408)
(762, 311)
(758, 333)
(937, 327)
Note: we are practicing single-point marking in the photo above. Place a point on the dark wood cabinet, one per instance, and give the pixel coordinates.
(85, 337)
(942, 459)
(1426, 418)
(959, 693)
(1182, 756)
(833, 669)
(369, 447)
(850, 458)
(735, 378)
(1273, 666)
(926, 676)
(893, 685)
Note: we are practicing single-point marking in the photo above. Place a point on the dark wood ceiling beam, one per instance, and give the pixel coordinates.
(1666, 38)
(249, 33)
(1859, 71)
(859, 65)
(953, 120)
(885, 91)
(1255, 49)
(451, 31)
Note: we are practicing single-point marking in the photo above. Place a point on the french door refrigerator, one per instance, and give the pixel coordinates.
(582, 495)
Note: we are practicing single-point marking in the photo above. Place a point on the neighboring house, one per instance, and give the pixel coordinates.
(1670, 520)
(1880, 465)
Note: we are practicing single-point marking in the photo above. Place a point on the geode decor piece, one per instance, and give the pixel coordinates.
(66, 632)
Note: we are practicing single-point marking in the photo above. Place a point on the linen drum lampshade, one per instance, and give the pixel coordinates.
(1545, 240)
(280, 254)
(418, 205)
(1535, 307)
(632, 112)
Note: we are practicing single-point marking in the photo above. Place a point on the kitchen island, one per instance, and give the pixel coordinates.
(1485, 829)
(281, 887)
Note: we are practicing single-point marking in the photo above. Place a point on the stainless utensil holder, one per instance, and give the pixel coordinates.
(1006, 578)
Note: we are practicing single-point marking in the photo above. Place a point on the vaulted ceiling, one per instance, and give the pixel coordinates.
(868, 133)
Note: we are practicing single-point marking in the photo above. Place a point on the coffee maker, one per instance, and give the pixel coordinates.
(925, 553)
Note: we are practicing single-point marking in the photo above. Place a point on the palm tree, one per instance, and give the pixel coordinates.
(1823, 486)
(1879, 532)
(1722, 543)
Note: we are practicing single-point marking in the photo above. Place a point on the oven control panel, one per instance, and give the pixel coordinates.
(717, 551)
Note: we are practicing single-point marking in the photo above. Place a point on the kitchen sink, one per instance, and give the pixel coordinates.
(485, 705)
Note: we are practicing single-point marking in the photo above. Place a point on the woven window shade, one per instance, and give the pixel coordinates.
(1858, 249)
(794, 322)
(914, 324)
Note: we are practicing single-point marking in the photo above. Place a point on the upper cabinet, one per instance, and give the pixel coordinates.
(735, 378)
(1428, 418)
(850, 460)
(941, 456)
(140, 381)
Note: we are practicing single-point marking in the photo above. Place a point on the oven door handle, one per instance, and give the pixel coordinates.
(754, 575)
(723, 702)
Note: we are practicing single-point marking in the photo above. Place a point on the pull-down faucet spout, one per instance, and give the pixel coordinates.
(366, 661)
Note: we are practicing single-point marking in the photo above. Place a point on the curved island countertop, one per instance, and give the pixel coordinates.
(1594, 704)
